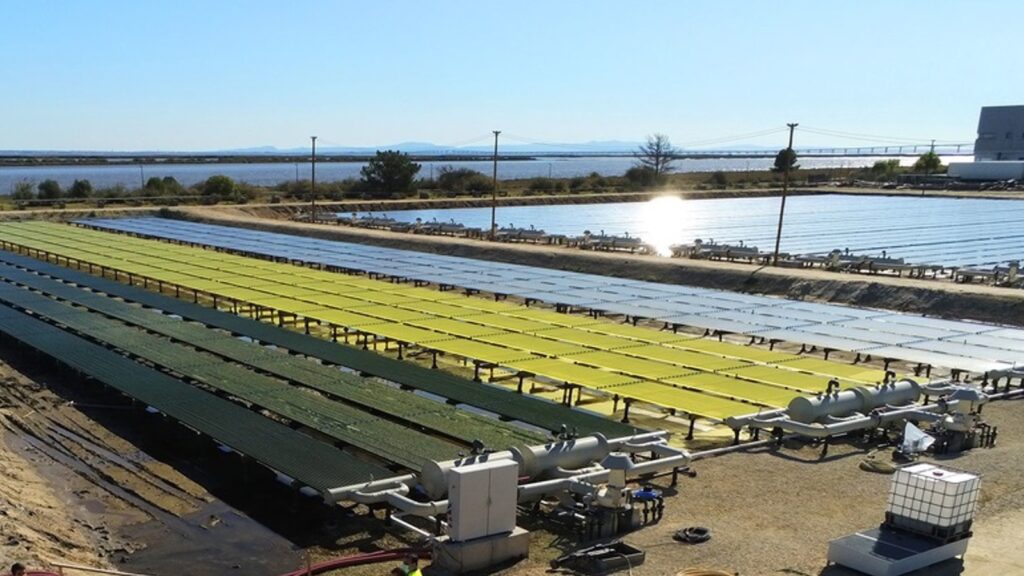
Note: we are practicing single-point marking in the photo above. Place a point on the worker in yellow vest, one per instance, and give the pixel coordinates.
(409, 567)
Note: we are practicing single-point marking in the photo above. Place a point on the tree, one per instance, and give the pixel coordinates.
(885, 168)
(80, 189)
(657, 155)
(22, 192)
(462, 180)
(154, 186)
(719, 179)
(642, 176)
(928, 162)
(219, 187)
(171, 187)
(785, 158)
(389, 173)
(50, 190)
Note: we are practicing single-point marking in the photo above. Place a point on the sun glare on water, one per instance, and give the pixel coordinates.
(663, 221)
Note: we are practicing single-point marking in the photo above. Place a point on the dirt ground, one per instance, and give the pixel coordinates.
(75, 490)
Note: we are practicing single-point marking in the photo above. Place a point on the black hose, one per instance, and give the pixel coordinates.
(693, 535)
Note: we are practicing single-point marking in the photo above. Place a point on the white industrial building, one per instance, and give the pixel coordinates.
(1000, 134)
(982, 171)
(999, 148)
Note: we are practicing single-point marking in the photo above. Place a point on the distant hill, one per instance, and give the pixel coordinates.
(419, 148)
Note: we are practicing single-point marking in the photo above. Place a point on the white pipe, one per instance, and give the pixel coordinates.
(409, 526)
(415, 508)
(659, 465)
(563, 473)
(737, 422)
(727, 449)
(378, 496)
(539, 489)
(341, 493)
(871, 421)
(1005, 395)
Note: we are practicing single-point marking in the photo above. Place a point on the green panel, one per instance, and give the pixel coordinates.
(527, 409)
(309, 461)
(386, 439)
(414, 409)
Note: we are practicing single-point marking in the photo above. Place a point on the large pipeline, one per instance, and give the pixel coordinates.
(536, 461)
(576, 465)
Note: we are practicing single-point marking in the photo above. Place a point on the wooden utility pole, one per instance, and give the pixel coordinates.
(785, 190)
(312, 183)
(494, 189)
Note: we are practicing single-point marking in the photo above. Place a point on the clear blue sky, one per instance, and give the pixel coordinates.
(213, 74)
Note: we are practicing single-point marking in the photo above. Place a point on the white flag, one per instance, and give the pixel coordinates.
(915, 440)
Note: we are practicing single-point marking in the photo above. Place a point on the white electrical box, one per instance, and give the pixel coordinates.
(924, 493)
(482, 499)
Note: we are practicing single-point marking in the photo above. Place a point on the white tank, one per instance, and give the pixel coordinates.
(533, 460)
(567, 454)
(846, 402)
(434, 475)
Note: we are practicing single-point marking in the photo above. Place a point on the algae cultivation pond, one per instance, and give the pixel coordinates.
(926, 230)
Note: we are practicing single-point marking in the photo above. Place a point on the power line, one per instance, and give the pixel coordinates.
(870, 137)
(735, 137)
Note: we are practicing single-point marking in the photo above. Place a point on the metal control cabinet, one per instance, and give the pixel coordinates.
(482, 499)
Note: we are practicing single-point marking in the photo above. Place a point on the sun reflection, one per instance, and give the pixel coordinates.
(663, 221)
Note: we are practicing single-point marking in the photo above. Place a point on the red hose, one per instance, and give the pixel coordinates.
(359, 560)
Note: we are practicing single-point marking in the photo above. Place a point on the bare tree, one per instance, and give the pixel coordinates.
(656, 155)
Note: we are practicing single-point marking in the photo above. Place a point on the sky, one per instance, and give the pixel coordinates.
(190, 75)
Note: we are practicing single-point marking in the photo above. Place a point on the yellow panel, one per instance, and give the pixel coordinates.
(736, 389)
(505, 322)
(441, 309)
(689, 358)
(480, 351)
(331, 300)
(409, 334)
(695, 403)
(863, 374)
(553, 318)
(591, 339)
(282, 303)
(389, 313)
(534, 344)
(802, 381)
(241, 294)
(640, 333)
(341, 318)
(483, 304)
(453, 327)
(638, 367)
(733, 350)
(563, 371)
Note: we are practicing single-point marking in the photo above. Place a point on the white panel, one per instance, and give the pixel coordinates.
(504, 490)
(482, 499)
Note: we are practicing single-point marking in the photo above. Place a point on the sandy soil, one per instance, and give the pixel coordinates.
(75, 491)
(38, 523)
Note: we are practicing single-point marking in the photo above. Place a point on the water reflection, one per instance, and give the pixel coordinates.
(662, 223)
